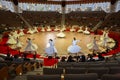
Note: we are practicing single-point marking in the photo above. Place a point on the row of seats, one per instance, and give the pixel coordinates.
(99, 71)
(87, 64)
(90, 76)
(10, 69)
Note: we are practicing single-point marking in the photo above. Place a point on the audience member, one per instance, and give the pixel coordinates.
(17, 59)
(25, 57)
(70, 59)
(83, 59)
(9, 58)
(100, 57)
(63, 59)
(90, 57)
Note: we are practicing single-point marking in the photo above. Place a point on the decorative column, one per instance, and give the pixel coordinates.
(113, 5)
(63, 13)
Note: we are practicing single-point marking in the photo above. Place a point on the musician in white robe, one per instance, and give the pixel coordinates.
(30, 31)
(49, 29)
(21, 33)
(86, 31)
(80, 30)
(56, 28)
(61, 35)
(35, 30)
(72, 29)
(43, 29)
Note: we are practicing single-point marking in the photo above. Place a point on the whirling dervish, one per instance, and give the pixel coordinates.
(80, 30)
(11, 39)
(48, 28)
(93, 46)
(35, 30)
(61, 34)
(30, 31)
(15, 34)
(50, 49)
(56, 28)
(43, 29)
(103, 34)
(74, 48)
(86, 31)
(30, 48)
(19, 44)
(103, 42)
(72, 29)
(21, 33)
(106, 35)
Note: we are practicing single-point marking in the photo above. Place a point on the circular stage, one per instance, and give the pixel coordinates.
(42, 38)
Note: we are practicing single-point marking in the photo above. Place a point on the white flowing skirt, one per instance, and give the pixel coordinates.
(86, 32)
(15, 36)
(61, 35)
(74, 49)
(72, 30)
(21, 34)
(49, 30)
(56, 29)
(50, 51)
(102, 43)
(35, 31)
(11, 41)
(92, 46)
(30, 32)
(43, 30)
(108, 39)
(32, 47)
(80, 31)
(19, 45)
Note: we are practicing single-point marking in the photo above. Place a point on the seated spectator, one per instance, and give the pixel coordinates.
(9, 58)
(50, 57)
(107, 59)
(57, 57)
(63, 59)
(90, 58)
(77, 58)
(100, 57)
(17, 59)
(25, 57)
(70, 59)
(83, 59)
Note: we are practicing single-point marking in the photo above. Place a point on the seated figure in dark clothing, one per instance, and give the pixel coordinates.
(63, 59)
(100, 57)
(9, 58)
(70, 59)
(83, 58)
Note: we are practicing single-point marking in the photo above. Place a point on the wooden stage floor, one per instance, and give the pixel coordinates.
(41, 39)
